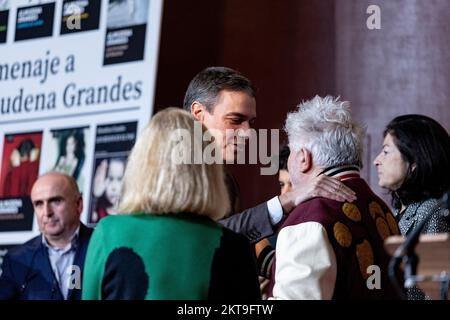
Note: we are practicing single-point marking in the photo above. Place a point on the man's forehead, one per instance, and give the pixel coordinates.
(50, 186)
(51, 179)
(238, 102)
(48, 190)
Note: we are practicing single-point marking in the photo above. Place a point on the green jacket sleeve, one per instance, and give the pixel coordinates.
(94, 266)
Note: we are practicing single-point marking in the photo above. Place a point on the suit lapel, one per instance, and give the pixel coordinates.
(45, 268)
(80, 255)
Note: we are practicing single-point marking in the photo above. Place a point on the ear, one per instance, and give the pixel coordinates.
(305, 160)
(198, 111)
(80, 205)
(413, 167)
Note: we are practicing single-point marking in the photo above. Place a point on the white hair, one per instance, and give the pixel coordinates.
(324, 127)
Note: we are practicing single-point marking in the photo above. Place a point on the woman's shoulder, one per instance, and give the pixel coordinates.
(123, 225)
(150, 218)
(160, 226)
(120, 220)
(437, 220)
(430, 205)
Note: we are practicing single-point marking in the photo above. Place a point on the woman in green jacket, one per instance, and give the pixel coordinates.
(166, 243)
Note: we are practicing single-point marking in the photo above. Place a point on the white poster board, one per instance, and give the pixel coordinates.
(77, 82)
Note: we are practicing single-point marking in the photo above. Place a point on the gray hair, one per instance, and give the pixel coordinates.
(324, 127)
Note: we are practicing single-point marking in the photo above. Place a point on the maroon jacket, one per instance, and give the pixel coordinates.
(356, 232)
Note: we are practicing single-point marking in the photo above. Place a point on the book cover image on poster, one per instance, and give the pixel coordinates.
(112, 147)
(3, 251)
(20, 168)
(80, 15)
(4, 14)
(125, 33)
(34, 21)
(66, 153)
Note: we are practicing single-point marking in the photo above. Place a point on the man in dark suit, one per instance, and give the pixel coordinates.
(49, 266)
(224, 101)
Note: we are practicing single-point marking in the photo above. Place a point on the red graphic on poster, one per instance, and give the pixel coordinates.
(20, 163)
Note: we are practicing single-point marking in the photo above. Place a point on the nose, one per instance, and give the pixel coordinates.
(245, 130)
(289, 187)
(47, 210)
(115, 186)
(376, 161)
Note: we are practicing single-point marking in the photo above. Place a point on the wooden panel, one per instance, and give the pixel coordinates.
(287, 48)
(402, 68)
(433, 251)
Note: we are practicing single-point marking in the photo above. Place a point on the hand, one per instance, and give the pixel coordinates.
(100, 179)
(317, 186)
(34, 154)
(15, 158)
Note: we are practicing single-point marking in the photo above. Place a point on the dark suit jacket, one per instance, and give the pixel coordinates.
(28, 275)
(254, 223)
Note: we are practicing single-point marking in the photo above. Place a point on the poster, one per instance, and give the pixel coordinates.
(20, 165)
(35, 21)
(66, 152)
(112, 147)
(3, 251)
(125, 34)
(54, 82)
(4, 15)
(80, 15)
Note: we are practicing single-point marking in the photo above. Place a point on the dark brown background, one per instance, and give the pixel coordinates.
(294, 49)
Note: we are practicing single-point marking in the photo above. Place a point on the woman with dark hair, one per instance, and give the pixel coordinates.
(414, 166)
(71, 153)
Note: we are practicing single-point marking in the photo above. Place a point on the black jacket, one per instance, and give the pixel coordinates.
(27, 273)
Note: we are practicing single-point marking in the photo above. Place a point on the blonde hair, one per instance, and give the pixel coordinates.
(155, 183)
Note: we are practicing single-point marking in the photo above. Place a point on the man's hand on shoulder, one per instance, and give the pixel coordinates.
(320, 186)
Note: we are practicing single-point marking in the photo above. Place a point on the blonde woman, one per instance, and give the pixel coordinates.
(166, 243)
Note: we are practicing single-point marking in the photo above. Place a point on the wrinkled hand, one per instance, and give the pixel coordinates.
(100, 179)
(320, 186)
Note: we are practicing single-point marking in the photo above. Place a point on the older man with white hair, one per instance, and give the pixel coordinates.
(325, 247)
